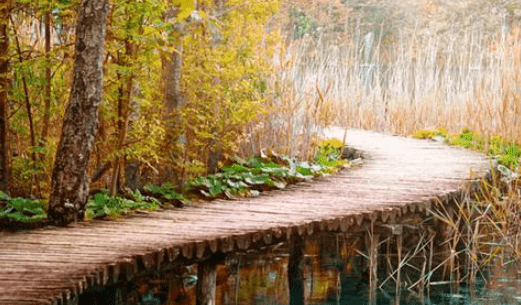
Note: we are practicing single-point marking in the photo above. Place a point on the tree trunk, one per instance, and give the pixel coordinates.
(172, 71)
(125, 93)
(173, 101)
(70, 185)
(47, 94)
(4, 88)
(172, 65)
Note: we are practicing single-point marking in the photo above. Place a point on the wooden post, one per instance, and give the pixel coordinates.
(206, 282)
(296, 271)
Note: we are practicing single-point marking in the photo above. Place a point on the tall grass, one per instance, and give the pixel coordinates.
(466, 77)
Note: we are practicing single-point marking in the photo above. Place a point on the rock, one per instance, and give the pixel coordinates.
(350, 153)
(356, 162)
(254, 193)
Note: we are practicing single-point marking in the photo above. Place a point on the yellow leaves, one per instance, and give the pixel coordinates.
(186, 7)
(225, 61)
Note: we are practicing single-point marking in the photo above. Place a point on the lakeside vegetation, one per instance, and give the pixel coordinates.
(485, 229)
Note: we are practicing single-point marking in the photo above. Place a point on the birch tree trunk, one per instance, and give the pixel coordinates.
(4, 87)
(70, 185)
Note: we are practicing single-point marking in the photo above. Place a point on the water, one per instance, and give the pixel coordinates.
(260, 279)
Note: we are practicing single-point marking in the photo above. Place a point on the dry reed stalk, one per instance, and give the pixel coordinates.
(467, 77)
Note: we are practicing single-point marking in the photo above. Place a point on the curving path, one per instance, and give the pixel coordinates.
(399, 176)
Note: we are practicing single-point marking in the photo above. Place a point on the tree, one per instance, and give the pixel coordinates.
(70, 185)
(173, 100)
(182, 83)
(4, 87)
(227, 65)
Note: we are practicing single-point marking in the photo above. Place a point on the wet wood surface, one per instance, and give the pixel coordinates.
(399, 176)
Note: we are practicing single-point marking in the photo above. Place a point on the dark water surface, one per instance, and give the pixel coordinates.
(260, 278)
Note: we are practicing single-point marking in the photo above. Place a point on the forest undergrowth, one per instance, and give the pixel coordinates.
(187, 90)
(248, 177)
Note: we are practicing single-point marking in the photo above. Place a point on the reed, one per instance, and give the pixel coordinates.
(377, 73)
(483, 231)
(401, 80)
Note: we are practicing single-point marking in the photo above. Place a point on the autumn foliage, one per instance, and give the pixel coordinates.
(184, 83)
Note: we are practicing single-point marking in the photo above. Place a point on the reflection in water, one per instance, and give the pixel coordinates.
(335, 273)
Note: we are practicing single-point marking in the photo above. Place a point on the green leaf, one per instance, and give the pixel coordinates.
(232, 183)
(276, 171)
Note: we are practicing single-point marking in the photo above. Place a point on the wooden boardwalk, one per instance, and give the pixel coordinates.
(399, 176)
